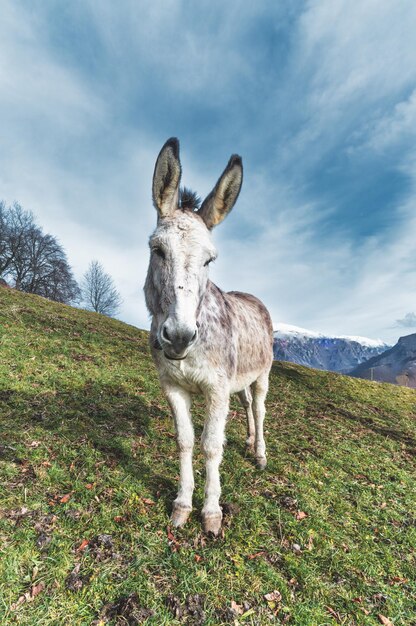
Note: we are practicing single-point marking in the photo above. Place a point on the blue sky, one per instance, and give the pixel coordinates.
(319, 99)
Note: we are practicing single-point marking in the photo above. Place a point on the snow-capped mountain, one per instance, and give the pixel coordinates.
(397, 365)
(337, 354)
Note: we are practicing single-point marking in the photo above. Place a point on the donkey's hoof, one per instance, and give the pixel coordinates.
(180, 515)
(261, 462)
(212, 524)
(250, 444)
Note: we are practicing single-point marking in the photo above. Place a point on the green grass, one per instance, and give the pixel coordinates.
(87, 448)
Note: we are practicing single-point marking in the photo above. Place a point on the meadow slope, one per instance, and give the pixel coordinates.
(88, 471)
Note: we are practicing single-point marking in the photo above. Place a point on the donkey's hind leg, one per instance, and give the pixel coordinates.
(259, 389)
(246, 400)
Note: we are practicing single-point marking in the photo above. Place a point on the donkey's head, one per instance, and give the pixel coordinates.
(182, 249)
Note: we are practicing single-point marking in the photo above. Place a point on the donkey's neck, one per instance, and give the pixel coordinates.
(213, 310)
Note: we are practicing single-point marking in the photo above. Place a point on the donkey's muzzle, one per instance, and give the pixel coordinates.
(177, 341)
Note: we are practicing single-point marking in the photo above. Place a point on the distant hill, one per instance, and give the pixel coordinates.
(396, 365)
(335, 354)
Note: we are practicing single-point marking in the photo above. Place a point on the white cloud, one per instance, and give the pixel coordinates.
(393, 129)
(72, 151)
(351, 62)
(408, 321)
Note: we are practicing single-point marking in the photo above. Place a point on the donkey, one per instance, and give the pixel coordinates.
(202, 339)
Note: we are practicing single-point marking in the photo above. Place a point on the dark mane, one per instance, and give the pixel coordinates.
(189, 200)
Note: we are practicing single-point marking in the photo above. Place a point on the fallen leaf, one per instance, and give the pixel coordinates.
(65, 498)
(148, 501)
(18, 602)
(256, 555)
(89, 486)
(119, 518)
(237, 608)
(173, 542)
(384, 620)
(197, 558)
(397, 580)
(300, 515)
(273, 596)
(37, 589)
(82, 545)
(333, 613)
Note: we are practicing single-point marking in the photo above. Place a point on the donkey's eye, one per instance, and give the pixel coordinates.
(208, 262)
(159, 252)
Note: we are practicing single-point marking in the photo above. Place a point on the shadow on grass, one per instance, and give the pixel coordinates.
(300, 377)
(284, 371)
(385, 431)
(304, 381)
(105, 416)
(112, 421)
(102, 416)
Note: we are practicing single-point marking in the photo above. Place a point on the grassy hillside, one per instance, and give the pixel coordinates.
(88, 469)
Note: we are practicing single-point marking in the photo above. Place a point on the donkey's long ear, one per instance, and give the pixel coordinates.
(166, 178)
(224, 195)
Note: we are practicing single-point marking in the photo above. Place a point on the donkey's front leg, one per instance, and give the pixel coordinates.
(212, 446)
(180, 403)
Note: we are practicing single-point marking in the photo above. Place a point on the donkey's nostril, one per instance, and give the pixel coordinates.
(165, 335)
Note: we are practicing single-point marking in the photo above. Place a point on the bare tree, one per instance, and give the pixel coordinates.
(31, 260)
(99, 292)
(4, 256)
(15, 223)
